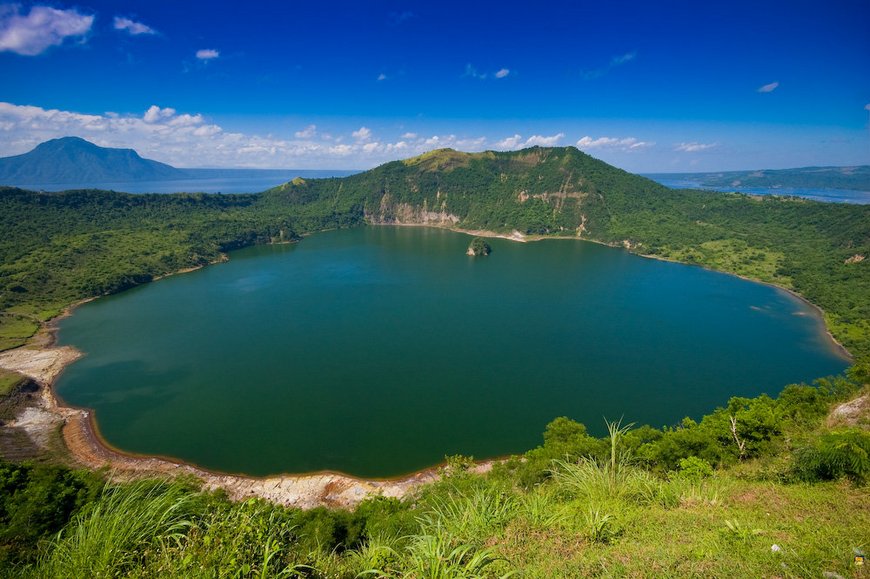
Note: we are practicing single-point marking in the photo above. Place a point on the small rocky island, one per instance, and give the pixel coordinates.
(478, 247)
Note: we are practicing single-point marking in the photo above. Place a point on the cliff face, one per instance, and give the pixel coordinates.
(390, 212)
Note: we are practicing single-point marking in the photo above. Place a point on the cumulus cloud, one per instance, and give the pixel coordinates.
(768, 87)
(613, 143)
(502, 73)
(207, 54)
(694, 147)
(382, 76)
(867, 107)
(362, 134)
(307, 133)
(155, 113)
(42, 28)
(517, 142)
(543, 141)
(190, 140)
(132, 27)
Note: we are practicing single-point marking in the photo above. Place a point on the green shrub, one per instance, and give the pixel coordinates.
(36, 501)
(835, 455)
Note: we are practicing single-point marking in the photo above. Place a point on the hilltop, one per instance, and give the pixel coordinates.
(73, 160)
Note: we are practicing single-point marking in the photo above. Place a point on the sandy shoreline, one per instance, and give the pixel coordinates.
(86, 448)
(43, 362)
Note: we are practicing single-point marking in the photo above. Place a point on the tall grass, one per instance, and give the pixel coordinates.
(615, 478)
(436, 557)
(119, 530)
(470, 518)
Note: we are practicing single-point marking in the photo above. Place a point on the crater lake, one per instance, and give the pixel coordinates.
(376, 351)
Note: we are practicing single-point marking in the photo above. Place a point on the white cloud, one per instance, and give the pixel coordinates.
(768, 87)
(132, 27)
(42, 28)
(517, 142)
(542, 141)
(694, 147)
(509, 142)
(362, 134)
(191, 140)
(382, 76)
(207, 54)
(613, 143)
(155, 113)
(472, 72)
(308, 132)
(867, 107)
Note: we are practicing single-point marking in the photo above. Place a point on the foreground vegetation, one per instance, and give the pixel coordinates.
(760, 487)
(59, 248)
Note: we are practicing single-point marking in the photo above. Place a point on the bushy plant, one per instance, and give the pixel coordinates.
(835, 455)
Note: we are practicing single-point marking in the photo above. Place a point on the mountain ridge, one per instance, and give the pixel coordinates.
(74, 160)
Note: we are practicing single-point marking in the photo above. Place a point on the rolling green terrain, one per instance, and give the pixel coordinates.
(58, 248)
(759, 487)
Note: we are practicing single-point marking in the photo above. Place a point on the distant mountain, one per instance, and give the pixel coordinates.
(73, 160)
(856, 178)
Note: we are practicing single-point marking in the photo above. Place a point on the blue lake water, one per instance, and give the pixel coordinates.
(817, 194)
(201, 181)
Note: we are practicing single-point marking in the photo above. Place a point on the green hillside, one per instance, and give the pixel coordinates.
(61, 247)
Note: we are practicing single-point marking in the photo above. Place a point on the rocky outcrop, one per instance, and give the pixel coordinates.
(391, 213)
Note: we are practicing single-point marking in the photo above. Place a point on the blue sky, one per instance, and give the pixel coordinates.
(647, 86)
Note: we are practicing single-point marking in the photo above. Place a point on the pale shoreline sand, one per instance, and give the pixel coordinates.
(43, 363)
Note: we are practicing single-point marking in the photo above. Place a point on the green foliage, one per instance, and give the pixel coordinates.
(694, 468)
(479, 246)
(9, 381)
(835, 455)
(36, 501)
(602, 510)
(14, 330)
(113, 534)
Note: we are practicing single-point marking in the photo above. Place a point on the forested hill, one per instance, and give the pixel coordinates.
(75, 160)
(65, 246)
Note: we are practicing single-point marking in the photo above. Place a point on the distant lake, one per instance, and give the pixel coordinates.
(817, 194)
(377, 351)
(201, 181)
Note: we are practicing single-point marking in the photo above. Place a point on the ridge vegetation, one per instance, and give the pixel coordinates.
(58, 248)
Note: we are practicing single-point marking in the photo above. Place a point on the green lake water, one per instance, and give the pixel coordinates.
(377, 351)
